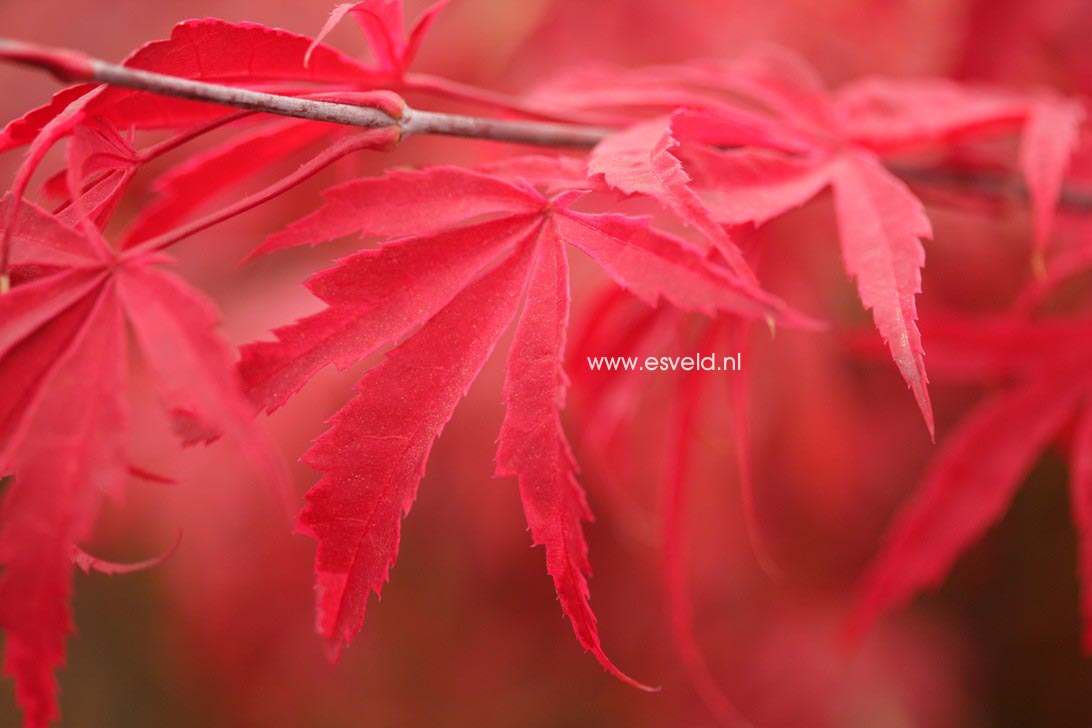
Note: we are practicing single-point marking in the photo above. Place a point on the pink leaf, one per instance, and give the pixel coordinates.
(176, 331)
(376, 297)
(20, 132)
(38, 238)
(419, 31)
(887, 115)
(966, 491)
(532, 446)
(101, 164)
(881, 225)
(209, 50)
(29, 354)
(641, 161)
(753, 185)
(27, 308)
(405, 203)
(373, 457)
(653, 266)
(675, 493)
(383, 22)
(68, 459)
(784, 82)
(1050, 137)
(552, 174)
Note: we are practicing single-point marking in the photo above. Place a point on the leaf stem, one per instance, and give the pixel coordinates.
(353, 143)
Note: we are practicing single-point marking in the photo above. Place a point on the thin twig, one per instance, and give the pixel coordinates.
(74, 66)
(357, 141)
(538, 133)
(239, 98)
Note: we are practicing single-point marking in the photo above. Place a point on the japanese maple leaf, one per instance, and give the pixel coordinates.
(890, 117)
(101, 163)
(63, 361)
(1043, 369)
(466, 249)
(640, 160)
(1050, 140)
(880, 221)
(745, 141)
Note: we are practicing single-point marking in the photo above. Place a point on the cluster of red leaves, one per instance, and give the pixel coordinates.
(722, 147)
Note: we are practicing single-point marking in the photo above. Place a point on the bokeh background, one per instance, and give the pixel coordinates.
(469, 632)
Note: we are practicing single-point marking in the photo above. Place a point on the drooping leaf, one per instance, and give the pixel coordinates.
(675, 497)
(966, 491)
(791, 152)
(532, 445)
(444, 268)
(881, 226)
(640, 161)
(63, 460)
(63, 359)
(1049, 139)
(1041, 367)
(374, 454)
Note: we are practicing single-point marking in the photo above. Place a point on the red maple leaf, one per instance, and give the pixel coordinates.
(63, 358)
(460, 281)
(719, 162)
(1043, 370)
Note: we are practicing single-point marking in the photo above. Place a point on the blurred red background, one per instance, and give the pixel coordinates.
(469, 631)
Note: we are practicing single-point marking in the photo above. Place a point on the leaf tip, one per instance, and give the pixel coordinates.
(1038, 265)
(332, 647)
(926, 406)
(611, 668)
